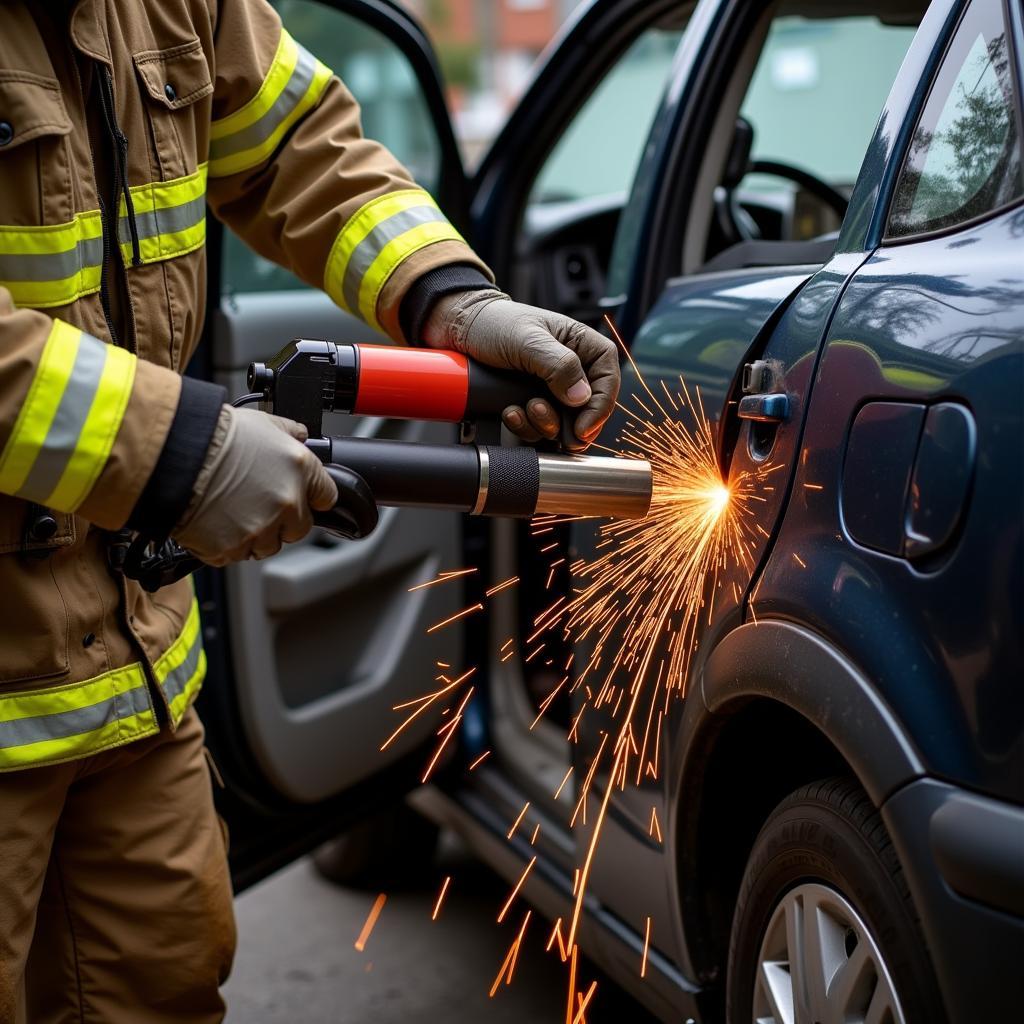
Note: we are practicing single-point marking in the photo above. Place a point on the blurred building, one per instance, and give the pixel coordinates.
(487, 49)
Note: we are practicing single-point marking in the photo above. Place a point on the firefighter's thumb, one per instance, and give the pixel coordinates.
(290, 427)
(320, 488)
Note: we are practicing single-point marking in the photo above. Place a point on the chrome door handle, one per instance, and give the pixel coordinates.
(764, 408)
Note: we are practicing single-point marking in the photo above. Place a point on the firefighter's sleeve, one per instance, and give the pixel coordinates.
(290, 172)
(88, 428)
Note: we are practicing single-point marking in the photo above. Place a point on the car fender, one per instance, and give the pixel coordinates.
(789, 666)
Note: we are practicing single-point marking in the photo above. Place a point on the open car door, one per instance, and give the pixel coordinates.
(310, 650)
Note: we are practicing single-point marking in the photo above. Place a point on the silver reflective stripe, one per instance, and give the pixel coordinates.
(51, 266)
(177, 679)
(166, 221)
(66, 428)
(20, 731)
(261, 130)
(373, 244)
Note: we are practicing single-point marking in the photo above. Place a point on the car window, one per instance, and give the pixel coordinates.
(599, 151)
(394, 112)
(964, 158)
(818, 88)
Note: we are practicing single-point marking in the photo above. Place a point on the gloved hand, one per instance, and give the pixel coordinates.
(579, 366)
(255, 490)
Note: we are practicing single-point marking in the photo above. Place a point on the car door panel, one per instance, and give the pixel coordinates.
(702, 330)
(326, 638)
(925, 324)
(310, 650)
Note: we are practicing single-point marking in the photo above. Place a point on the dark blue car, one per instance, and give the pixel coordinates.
(814, 212)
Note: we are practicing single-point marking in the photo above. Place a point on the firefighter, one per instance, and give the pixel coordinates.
(119, 124)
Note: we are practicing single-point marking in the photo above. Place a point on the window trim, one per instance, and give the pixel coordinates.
(889, 240)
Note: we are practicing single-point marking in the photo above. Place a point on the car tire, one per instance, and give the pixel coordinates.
(394, 848)
(823, 877)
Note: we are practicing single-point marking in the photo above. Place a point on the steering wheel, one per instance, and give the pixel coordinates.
(735, 223)
(808, 182)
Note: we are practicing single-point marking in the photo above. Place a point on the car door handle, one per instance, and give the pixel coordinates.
(764, 408)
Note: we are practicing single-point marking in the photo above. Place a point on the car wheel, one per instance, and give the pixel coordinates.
(824, 930)
(394, 848)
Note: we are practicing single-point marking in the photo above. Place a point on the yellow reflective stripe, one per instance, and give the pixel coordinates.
(54, 265)
(281, 68)
(74, 720)
(46, 294)
(99, 431)
(356, 230)
(170, 217)
(67, 424)
(183, 701)
(182, 667)
(40, 406)
(392, 256)
(293, 85)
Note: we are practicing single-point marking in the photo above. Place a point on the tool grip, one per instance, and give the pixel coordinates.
(355, 514)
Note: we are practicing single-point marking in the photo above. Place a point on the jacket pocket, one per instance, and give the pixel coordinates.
(34, 624)
(174, 82)
(34, 160)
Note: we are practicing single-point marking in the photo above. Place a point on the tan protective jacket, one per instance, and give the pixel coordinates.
(217, 105)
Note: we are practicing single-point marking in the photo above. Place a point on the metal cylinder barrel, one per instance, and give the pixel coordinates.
(495, 480)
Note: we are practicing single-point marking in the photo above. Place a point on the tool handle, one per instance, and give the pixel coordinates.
(355, 515)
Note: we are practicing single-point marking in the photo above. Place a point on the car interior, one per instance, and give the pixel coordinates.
(769, 194)
(293, 697)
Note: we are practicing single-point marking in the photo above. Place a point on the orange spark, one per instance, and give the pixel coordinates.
(556, 936)
(799, 561)
(440, 898)
(443, 577)
(515, 824)
(515, 891)
(572, 985)
(583, 1001)
(371, 920)
(499, 587)
(655, 829)
(561, 785)
(453, 618)
(480, 760)
(647, 946)
(508, 967)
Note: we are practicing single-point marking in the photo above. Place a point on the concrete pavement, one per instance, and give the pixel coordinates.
(297, 963)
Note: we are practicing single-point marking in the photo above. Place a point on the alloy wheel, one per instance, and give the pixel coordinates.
(819, 964)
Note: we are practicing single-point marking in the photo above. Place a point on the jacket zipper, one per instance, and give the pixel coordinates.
(104, 287)
(120, 169)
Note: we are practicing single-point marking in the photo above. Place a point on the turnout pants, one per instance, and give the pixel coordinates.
(115, 898)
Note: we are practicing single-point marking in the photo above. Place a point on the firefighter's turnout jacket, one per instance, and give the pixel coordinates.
(120, 122)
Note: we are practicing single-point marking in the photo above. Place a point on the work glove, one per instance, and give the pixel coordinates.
(579, 366)
(255, 490)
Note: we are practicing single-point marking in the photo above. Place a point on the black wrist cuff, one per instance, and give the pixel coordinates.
(167, 493)
(420, 298)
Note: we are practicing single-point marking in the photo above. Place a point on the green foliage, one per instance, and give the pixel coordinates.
(460, 63)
